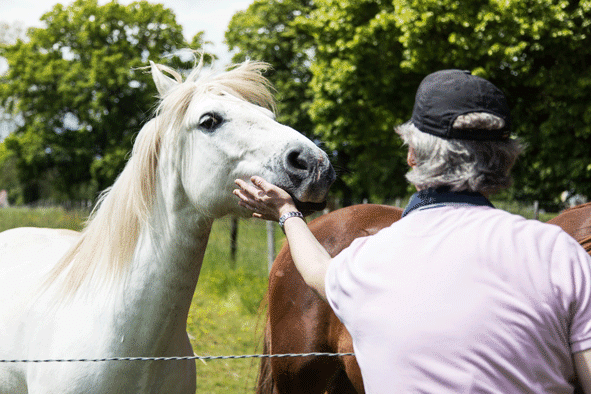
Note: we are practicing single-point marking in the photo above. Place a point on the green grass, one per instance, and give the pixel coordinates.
(41, 217)
(224, 318)
(527, 211)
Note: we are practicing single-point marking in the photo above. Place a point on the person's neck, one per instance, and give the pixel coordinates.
(486, 195)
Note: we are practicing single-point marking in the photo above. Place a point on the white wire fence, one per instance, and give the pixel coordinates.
(180, 358)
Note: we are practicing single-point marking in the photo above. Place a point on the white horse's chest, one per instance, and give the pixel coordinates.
(26, 256)
(98, 325)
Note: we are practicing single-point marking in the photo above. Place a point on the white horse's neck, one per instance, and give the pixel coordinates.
(156, 295)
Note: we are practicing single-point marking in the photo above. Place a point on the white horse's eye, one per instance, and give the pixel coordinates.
(210, 121)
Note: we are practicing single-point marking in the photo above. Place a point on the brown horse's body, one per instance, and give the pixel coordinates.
(298, 321)
(577, 222)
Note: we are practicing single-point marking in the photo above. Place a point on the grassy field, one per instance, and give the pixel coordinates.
(526, 211)
(41, 217)
(224, 317)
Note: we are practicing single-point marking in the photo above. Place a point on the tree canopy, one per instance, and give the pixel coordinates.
(345, 71)
(267, 31)
(367, 57)
(78, 86)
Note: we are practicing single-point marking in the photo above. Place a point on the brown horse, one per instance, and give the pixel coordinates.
(298, 321)
(577, 222)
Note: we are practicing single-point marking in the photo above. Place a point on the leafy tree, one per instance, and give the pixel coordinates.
(8, 174)
(9, 180)
(77, 84)
(276, 31)
(360, 94)
(267, 31)
(370, 56)
(536, 51)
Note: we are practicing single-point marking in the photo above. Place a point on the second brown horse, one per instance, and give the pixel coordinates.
(298, 321)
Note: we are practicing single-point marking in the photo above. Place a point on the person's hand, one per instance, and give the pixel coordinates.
(266, 200)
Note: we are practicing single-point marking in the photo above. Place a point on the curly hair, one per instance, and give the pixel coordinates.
(478, 166)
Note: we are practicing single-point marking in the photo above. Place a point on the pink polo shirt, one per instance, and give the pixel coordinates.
(464, 299)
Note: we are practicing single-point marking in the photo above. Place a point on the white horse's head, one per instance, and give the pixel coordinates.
(208, 131)
(224, 128)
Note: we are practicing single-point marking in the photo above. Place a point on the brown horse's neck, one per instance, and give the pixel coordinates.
(586, 243)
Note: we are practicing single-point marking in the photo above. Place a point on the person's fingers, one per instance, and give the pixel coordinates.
(248, 188)
(240, 182)
(262, 184)
(246, 205)
(245, 200)
(242, 195)
(269, 188)
(259, 192)
(266, 200)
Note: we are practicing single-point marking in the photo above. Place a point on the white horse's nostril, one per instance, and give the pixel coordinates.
(298, 159)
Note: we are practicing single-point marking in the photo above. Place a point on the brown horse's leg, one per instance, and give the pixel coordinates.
(265, 378)
(353, 374)
(302, 333)
(350, 380)
(341, 384)
(304, 375)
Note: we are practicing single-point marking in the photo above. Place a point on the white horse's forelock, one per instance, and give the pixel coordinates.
(107, 243)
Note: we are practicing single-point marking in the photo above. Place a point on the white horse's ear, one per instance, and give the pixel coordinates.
(163, 83)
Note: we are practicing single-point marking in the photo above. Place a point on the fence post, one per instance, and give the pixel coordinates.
(234, 240)
(536, 209)
(270, 244)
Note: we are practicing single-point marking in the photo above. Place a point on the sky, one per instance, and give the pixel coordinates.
(211, 16)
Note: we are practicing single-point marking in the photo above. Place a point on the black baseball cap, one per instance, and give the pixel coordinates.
(444, 95)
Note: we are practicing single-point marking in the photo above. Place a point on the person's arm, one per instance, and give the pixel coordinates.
(269, 202)
(583, 368)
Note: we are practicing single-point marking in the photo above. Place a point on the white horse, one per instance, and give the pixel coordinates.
(123, 286)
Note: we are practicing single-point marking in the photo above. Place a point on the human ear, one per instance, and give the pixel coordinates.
(411, 158)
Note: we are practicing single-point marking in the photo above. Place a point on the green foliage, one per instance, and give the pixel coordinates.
(535, 51)
(364, 59)
(360, 94)
(76, 83)
(268, 31)
(9, 174)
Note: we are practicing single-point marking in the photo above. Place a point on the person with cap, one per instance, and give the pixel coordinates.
(456, 296)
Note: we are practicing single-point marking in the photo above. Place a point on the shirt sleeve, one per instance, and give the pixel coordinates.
(571, 277)
(341, 280)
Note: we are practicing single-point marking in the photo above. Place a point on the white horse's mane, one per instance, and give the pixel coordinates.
(108, 241)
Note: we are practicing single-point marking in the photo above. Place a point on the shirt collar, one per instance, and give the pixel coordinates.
(443, 196)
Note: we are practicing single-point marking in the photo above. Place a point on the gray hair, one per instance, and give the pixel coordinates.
(477, 166)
